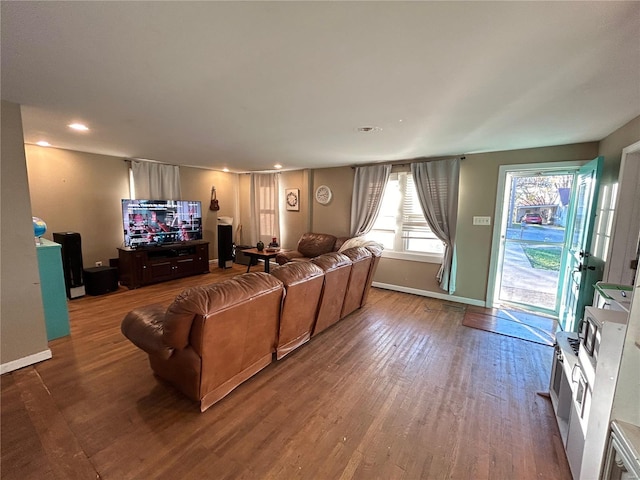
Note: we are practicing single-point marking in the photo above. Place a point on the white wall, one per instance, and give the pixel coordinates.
(23, 338)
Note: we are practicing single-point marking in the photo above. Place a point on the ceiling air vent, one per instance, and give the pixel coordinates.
(368, 129)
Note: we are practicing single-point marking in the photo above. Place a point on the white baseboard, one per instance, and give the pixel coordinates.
(25, 361)
(427, 293)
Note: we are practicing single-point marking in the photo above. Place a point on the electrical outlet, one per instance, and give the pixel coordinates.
(482, 220)
(98, 264)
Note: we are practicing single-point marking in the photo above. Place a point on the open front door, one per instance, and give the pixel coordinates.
(581, 270)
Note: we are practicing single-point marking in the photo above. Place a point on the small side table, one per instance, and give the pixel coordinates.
(260, 255)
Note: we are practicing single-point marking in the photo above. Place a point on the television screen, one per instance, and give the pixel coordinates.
(160, 222)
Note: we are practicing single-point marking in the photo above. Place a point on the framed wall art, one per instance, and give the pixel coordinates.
(293, 199)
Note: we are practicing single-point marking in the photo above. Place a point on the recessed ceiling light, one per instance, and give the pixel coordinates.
(225, 169)
(368, 129)
(78, 126)
(42, 143)
(278, 166)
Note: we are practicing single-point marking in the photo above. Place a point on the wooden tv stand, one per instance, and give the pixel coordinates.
(143, 266)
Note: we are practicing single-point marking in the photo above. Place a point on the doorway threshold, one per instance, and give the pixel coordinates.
(515, 323)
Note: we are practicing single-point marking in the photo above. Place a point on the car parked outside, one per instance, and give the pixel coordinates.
(533, 218)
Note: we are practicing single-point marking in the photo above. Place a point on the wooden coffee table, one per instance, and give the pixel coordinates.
(260, 255)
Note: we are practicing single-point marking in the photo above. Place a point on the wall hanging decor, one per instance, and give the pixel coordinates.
(215, 206)
(323, 194)
(293, 199)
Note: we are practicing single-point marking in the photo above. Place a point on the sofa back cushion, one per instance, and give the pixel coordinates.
(337, 269)
(331, 261)
(376, 252)
(237, 341)
(314, 244)
(204, 301)
(360, 262)
(303, 286)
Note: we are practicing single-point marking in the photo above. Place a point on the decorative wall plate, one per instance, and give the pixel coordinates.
(323, 194)
(293, 199)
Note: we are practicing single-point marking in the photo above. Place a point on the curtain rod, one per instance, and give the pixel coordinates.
(129, 160)
(410, 161)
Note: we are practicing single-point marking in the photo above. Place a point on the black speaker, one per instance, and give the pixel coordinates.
(225, 246)
(71, 262)
(100, 280)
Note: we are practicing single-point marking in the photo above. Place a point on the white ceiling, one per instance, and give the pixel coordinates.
(245, 85)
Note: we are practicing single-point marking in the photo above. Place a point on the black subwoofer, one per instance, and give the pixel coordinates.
(100, 280)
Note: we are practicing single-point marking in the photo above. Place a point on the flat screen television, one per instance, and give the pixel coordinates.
(150, 223)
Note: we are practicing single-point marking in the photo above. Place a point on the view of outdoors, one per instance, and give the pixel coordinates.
(534, 239)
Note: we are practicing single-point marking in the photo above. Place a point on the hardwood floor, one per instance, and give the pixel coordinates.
(398, 389)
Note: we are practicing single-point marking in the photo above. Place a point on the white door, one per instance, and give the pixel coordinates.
(576, 269)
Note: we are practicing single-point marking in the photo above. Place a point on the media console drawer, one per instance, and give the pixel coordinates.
(144, 266)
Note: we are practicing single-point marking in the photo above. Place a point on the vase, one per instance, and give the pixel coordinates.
(260, 246)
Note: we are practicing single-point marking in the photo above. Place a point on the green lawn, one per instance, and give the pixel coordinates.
(546, 258)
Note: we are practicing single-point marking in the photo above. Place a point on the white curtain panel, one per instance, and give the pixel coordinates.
(437, 186)
(156, 181)
(265, 218)
(368, 188)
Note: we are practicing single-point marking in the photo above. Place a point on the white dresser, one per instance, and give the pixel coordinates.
(582, 392)
(623, 453)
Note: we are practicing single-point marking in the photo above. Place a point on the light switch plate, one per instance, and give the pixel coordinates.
(482, 220)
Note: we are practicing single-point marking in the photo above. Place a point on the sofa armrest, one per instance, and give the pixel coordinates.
(145, 327)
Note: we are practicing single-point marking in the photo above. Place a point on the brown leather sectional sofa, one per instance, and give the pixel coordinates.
(212, 338)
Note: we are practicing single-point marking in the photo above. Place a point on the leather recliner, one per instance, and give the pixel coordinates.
(337, 269)
(360, 264)
(303, 285)
(376, 253)
(211, 338)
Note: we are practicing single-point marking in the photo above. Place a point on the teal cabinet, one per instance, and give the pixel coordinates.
(54, 295)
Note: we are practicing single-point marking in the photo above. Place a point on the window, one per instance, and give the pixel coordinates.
(264, 200)
(603, 230)
(401, 226)
(267, 218)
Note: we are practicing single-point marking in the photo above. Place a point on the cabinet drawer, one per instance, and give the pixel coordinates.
(157, 271)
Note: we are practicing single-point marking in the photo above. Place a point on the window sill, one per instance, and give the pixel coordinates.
(412, 257)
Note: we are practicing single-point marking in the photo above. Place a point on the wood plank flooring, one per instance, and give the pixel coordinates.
(397, 390)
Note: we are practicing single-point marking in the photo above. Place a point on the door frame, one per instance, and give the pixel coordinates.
(500, 217)
(626, 224)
